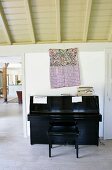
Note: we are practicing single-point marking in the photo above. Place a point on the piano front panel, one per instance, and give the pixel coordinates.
(86, 113)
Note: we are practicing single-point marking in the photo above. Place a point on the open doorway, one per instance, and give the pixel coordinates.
(11, 80)
(14, 83)
(11, 112)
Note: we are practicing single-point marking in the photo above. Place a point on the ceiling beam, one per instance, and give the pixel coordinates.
(4, 24)
(28, 12)
(110, 33)
(58, 22)
(87, 18)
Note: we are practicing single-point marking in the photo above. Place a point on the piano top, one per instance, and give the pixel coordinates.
(65, 105)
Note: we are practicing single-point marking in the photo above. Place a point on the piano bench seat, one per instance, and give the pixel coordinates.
(69, 132)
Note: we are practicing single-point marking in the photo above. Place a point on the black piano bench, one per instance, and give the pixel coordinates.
(67, 130)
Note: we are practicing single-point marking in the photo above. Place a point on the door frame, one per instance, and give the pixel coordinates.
(107, 130)
(25, 129)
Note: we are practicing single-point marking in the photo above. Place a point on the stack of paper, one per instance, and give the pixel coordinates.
(85, 91)
(40, 99)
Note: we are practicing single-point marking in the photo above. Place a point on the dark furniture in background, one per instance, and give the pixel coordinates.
(19, 95)
(86, 113)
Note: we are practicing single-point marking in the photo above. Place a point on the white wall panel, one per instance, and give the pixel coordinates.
(92, 66)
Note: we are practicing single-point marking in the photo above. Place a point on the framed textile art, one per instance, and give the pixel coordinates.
(64, 68)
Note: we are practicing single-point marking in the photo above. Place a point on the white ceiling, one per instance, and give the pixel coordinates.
(52, 21)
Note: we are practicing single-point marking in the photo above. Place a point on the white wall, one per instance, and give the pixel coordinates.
(92, 66)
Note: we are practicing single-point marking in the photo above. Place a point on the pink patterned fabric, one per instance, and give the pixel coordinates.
(64, 68)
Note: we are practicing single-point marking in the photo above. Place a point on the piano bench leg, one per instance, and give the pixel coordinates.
(49, 150)
(77, 147)
(50, 146)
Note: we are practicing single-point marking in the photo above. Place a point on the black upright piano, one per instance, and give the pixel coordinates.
(85, 112)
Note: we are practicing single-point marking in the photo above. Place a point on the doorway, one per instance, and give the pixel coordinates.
(11, 112)
(10, 78)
